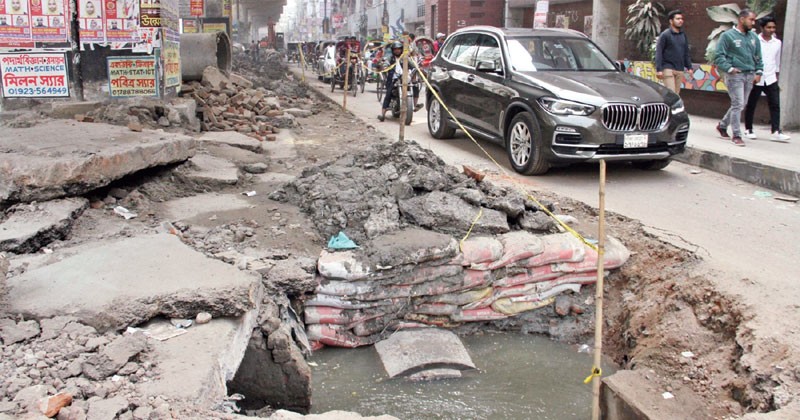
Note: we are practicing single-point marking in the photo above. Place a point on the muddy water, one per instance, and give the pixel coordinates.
(519, 377)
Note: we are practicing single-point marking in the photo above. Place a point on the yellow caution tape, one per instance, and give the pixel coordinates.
(596, 372)
(503, 170)
(474, 222)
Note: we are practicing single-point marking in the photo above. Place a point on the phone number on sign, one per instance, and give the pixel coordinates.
(37, 91)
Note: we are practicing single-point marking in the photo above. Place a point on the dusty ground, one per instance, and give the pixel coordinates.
(659, 305)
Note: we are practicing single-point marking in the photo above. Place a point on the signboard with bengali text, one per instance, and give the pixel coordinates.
(196, 7)
(34, 75)
(171, 54)
(132, 76)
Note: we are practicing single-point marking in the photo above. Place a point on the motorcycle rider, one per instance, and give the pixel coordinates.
(395, 72)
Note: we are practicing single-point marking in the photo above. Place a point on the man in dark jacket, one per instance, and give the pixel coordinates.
(739, 58)
(672, 53)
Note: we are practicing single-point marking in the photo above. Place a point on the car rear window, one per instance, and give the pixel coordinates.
(556, 54)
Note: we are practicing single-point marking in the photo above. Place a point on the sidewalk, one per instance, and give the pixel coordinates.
(761, 162)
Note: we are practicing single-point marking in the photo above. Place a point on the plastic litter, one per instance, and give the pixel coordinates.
(763, 194)
(180, 323)
(667, 395)
(687, 354)
(122, 211)
(341, 241)
(249, 193)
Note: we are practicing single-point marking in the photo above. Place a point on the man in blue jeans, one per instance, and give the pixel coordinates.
(739, 58)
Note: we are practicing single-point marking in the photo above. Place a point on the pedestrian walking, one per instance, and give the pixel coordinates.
(739, 58)
(771, 52)
(672, 53)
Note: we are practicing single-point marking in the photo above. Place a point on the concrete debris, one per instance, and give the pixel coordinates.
(213, 171)
(50, 406)
(14, 332)
(232, 139)
(3, 288)
(114, 356)
(202, 318)
(80, 159)
(138, 114)
(413, 351)
(119, 283)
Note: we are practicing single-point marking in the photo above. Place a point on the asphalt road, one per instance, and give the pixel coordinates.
(749, 241)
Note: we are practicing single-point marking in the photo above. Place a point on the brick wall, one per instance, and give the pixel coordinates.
(455, 14)
(573, 12)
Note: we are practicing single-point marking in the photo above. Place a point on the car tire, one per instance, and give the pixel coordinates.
(437, 123)
(524, 145)
(651, 165)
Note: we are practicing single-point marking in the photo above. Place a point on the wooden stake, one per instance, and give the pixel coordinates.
(346, 74)
(302, 63)
(404, 91)
(598, 298)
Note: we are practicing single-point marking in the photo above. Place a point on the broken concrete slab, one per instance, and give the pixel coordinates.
(275, 178)
(113, 356)
(410, 351)
(32, 226)
(298, 112)
(213, 170)
(627, 394)
(107, 408)
(210, 203)
(123, 282)
(80, 158)
(69, 109)
(231, 138)
(196, 366)
(444, 211)
(13, 332)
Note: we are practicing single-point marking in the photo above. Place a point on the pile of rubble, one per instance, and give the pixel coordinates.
(409, 266)
(142, 113)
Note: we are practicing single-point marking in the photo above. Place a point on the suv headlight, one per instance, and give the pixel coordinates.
(678, 107)
(564, 107)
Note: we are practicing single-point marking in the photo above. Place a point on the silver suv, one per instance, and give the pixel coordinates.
(552, 97)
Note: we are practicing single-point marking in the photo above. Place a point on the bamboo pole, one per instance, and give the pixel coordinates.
(404, 91)
(598, 298)
(346, 74)
(302, 63)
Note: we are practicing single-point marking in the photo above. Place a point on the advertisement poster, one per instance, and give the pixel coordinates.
(196, 7)
(90, 21)
(34, 75)
(122, 21)
(15, 25)
(48, 23)
(189, 26)
(171, 54)
(226, 8)
(169, 20)
(150, 13)
(540, 16)
(214, 27)
(132, 76)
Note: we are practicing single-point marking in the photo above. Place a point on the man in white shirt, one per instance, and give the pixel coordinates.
(771, 52)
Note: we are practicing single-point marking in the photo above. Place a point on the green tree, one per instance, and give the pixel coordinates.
(727, 15)
(644, 24)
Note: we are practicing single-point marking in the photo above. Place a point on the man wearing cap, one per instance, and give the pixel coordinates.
(440, 37)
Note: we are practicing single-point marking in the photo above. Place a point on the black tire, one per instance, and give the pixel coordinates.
(395, 107)
(379, 89)
(651, 165)
(333, 84)
(409, 110)
(437, 123)
(525, 146)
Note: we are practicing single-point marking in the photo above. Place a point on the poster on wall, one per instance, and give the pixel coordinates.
(189, 26)
(226, 8)
(587, 25)
(132, 76)
(48, 22)
(15, 25)
(90, 21)
(169, 20)
(540, 15)
(34, 75)
(150, 13)
(171, 54)
(196, 7)
(122, 21)
(214, 27)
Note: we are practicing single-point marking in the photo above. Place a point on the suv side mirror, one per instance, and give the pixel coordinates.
(486, 66)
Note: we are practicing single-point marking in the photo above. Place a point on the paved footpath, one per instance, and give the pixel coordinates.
(761, 162)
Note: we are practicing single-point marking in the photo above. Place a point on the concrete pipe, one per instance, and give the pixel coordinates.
(199, 51)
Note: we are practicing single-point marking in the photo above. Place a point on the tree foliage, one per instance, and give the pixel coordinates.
(644, 23)
(727, 15)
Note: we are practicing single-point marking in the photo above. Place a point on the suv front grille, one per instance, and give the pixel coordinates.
(627, 117)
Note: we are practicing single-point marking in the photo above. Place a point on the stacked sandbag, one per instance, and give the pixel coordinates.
(417, 277)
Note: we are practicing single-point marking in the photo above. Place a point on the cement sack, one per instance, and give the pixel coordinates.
(338, 302)
(374, 326)
(577, 278)
(505, 306)
(461, 298)
(471, 279)
(475, 315)
(531, 275)
(517, 245)
(477, 250)
(347, 266)
(336, 335)
(422, 274)
(614, 256)
(339, 316)
(432, 320)
(435, 309)
(562, 247)
(344, 288)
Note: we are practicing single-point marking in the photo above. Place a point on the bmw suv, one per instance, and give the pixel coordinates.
(552, 97)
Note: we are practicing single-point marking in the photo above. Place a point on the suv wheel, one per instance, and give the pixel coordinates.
(651, 165)
(525, 147)
(437, 123)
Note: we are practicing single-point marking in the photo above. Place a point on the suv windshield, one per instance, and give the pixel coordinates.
(556, 54)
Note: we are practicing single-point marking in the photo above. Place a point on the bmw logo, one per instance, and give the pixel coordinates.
(636, 98)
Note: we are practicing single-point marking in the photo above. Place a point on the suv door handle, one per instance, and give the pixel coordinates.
(471, 77)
